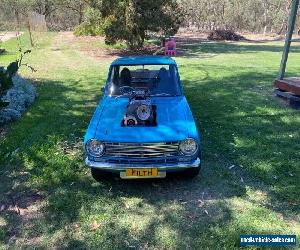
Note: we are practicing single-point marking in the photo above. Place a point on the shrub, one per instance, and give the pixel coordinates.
(16, 93)
(88, 30)
(92, 24)
(220, 35)
(18, 97)
(6, 80)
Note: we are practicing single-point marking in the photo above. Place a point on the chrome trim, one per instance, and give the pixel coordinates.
(141, 150)
(123, 167)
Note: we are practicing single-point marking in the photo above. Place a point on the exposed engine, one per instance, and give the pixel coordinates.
(140, 111)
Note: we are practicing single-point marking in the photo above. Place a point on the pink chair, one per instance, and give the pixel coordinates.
(170, 48)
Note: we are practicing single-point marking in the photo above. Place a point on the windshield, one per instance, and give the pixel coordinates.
(157, 80)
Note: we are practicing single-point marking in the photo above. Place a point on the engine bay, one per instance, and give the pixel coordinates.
(140, 110)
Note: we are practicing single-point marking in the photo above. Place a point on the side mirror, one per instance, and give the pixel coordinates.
(102, 89)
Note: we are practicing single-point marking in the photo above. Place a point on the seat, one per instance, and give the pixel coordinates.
(125, 78)
(163, 83)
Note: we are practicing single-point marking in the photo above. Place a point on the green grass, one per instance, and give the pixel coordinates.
(96, 44)
(229, 87)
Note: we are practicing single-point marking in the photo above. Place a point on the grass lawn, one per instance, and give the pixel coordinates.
(251, 157)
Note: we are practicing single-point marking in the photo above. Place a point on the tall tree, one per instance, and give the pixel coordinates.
(130, 20)
(78, 6)
(251, 15)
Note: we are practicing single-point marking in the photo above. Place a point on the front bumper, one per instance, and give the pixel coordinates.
(162, 166)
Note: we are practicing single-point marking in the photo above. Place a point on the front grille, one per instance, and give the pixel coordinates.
(143, 161)
(141, 151)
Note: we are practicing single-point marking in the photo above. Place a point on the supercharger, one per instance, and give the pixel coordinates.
(140, 111)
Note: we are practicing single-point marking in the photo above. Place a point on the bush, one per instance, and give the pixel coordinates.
(221, 35)
(16, 93)
(6, 82)
(92, 24)
(88, 30)
(19, 97)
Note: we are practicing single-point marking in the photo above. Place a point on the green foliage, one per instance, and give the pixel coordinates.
(6, 79)
(92, 25)
(60, 15)
(12, 68)
(239, 15)
(6, 75)
(131, 20)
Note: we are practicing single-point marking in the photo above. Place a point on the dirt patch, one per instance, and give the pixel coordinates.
(109, 54)
(22, 209)
(262, 38)
(20, 205)
(5, 36)
(86, 38)
(94, 46)
(89, 45)
(190, 35)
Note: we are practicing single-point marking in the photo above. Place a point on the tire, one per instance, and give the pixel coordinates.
(192, 172)
(100, 175)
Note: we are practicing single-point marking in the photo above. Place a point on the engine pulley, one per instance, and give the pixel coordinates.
(144, 112)
(130, 121)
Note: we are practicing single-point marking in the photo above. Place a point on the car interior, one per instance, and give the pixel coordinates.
(157, 79)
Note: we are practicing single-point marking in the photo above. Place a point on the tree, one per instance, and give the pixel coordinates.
(252, 15)
(78, 6)
(59, 14)
(131, 20)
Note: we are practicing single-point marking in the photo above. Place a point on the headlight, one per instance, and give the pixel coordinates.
(95, 148)
(188, 147)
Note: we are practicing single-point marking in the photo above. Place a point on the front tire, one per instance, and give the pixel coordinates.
(99, 175)
(192, 172)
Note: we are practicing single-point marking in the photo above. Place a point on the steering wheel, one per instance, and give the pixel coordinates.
(126, 89)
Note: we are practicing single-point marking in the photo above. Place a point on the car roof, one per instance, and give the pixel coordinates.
(144, 60)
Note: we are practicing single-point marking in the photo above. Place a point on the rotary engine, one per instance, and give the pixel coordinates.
(140, 111)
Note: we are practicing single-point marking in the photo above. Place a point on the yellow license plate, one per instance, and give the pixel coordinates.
(141, 172)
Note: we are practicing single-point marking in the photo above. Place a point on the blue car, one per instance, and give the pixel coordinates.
(143, 127)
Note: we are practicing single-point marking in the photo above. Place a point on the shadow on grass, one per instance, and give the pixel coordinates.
(208, 47)
(241, 124)
(251, 128)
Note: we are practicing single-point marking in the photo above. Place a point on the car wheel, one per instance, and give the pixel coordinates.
(192, 172)
(100, 175)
